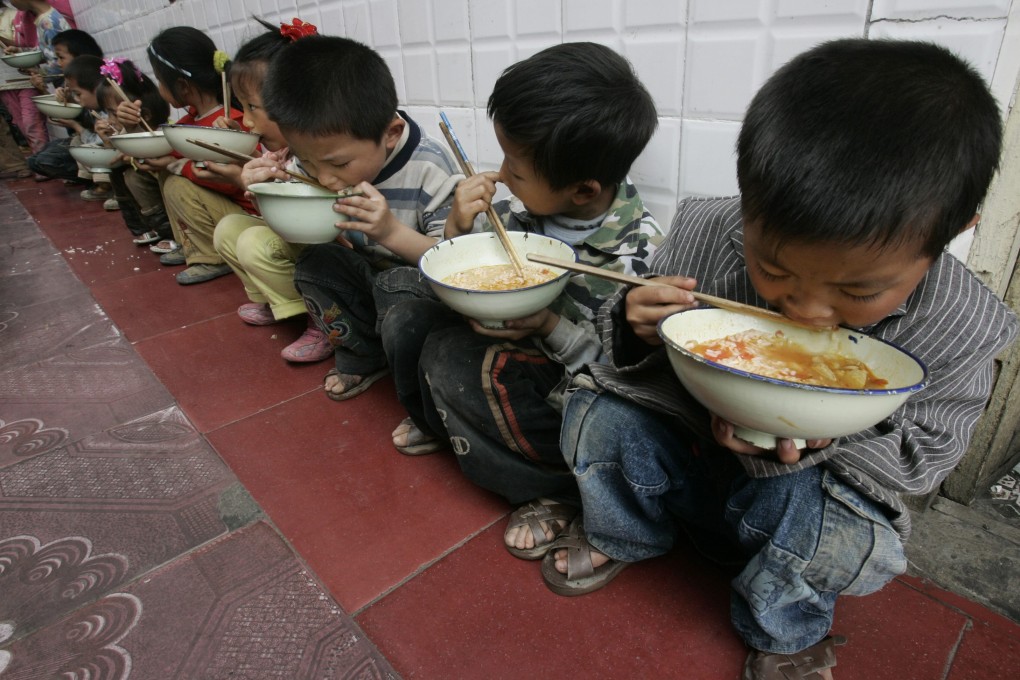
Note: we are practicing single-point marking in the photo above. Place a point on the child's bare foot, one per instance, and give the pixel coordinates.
(534, 526)
(597, 559)
(409, 439)
(340, 386)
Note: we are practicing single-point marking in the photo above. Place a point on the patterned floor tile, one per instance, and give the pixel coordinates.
(83, 520)
(242, 607)
(61, 399)
(32, 272)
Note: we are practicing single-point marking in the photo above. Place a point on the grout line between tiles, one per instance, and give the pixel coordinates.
(967, 625)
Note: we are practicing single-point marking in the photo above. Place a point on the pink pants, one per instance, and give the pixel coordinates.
(26, 116)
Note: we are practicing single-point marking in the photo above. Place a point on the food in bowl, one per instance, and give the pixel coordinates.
(775, 355)
(238, 141)
(25, 59)
(492, 307)
(298, 212)
(500, 277)
(142, 144)
(763, 407)
(49, 106)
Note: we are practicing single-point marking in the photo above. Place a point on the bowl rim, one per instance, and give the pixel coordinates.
(206, 127)
(527, 234)
(23, 53)
(51, 99)
(259, 185)
(155, 134)
(907, 389)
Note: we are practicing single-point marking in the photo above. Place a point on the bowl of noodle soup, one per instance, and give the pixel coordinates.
(472, 275)
(775, 380)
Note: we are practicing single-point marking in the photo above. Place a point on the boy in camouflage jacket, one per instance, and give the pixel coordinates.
(570, 121)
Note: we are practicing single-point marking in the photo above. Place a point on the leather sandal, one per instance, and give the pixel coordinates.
(581, 577)
(352, 389)
(806, 664)
(555, 515)
(417, 442)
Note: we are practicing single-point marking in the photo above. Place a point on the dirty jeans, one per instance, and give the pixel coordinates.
(491, 395)
(348, 299)
(807, 536)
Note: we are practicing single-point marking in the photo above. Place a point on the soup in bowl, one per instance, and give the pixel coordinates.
(775, 380)
(472, 274)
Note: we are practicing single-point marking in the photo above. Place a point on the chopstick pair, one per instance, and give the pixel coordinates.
(468, 170)
(123, 95)
(237, 156)
(627, 279)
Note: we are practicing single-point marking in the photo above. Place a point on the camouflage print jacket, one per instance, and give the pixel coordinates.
(624, 243)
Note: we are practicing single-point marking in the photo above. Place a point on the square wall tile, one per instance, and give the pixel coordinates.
(357, 22)
(451, 21)
(420, 76)
(454, 75)
(734, 11)
(658, 60)
(592, 15)
(385, 24)
(708, 162)
(977, 42)
(658, 14)
(929, 9)
(658, 165)
(722, 72)
(494, 18)
(415, 22)
(488, 60)
(858, 9)
(539, 18)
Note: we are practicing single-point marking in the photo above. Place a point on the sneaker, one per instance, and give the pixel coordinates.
(199, 273)
(256, 314)
(146, 238)
(165, 246)
(312, 346)
(111, 204)
(173, 258)
(94, 194)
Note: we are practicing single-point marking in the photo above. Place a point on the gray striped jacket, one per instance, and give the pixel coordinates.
(951, 322)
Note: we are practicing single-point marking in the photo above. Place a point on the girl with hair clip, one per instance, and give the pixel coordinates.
(261, 259)
(137, 191)
(188, 67)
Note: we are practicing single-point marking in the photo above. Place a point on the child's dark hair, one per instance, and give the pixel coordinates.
(869, 142)
(78, 43)
(248, 68)
(183, 52)
(578, 109)
(138, 87)
(326, 85)
(84, 71)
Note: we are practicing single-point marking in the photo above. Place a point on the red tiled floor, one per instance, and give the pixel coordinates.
(364, 516)
(489, 615)
(985, 653)
(153, 302)
(222, 370)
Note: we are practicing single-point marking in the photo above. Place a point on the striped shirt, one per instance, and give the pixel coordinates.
(951, 321)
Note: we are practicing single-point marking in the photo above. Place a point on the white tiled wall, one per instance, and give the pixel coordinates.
(702, 60)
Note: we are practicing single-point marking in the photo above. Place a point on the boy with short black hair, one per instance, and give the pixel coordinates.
(335, 103)
(858, 162)
(570, 120)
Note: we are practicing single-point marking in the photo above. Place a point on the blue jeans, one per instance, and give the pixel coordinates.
(55, 160)
(348, 300)
(807, 537)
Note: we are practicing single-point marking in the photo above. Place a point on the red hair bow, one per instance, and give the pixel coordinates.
(298, 29)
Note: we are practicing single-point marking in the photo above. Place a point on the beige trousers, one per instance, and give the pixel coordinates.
(144, 188)
(194, 212)
(262, 260)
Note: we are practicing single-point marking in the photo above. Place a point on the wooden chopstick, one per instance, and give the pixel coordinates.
(627, 279)
(226, 95)
(123, 95)
(346, 193)
(468, 170)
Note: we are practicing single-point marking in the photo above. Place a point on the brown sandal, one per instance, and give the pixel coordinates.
(806, 664)
(355, 389)
(582, 577)
(555, 515)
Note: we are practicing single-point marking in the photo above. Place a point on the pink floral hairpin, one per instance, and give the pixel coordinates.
(111, 68)
(298, 29)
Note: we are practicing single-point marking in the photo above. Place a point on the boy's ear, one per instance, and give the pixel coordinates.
(585, 192)
(393, 132)
(973, 223)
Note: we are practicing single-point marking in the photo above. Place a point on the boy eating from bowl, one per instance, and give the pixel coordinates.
(570, 120)
(335, 103)
(858, 162)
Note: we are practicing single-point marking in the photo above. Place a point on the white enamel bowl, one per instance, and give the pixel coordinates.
(142, 144)
(95, 158)
(237, 141)
(48, 104)
(491, 308)
(26, 59)
(765, 408)
(298, 212)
